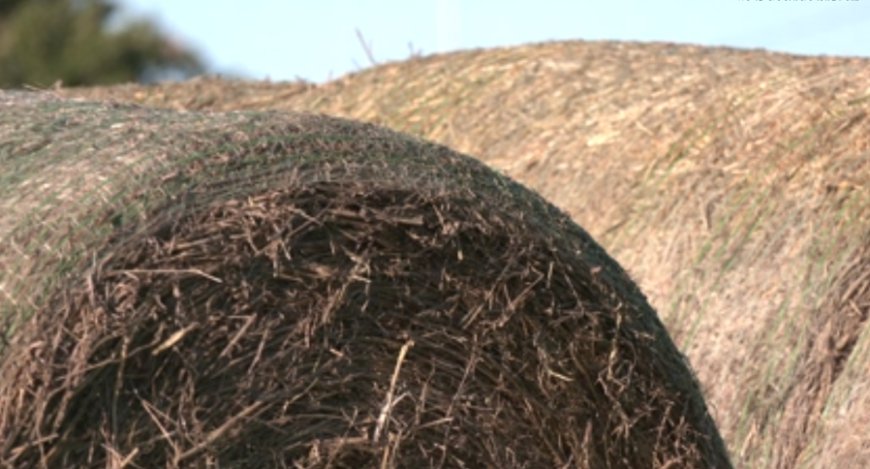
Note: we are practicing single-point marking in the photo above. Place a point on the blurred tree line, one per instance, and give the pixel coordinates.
(46, 41)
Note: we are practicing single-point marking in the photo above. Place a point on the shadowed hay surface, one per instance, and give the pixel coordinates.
(734, 184)
(249, 290)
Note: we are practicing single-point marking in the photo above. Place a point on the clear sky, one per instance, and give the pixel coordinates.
(317, 39)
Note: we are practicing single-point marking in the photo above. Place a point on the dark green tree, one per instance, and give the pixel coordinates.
(45, 41)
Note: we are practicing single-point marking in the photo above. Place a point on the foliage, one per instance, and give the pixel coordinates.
(46, 41)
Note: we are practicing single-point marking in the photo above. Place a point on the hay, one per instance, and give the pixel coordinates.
(838, 408)
(735, 185)
(200, 93)
(249, 290)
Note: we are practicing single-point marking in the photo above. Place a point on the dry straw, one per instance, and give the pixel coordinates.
(286, 290)
(735, 185)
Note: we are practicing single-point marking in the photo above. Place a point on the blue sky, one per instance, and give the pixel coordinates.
(317, 39)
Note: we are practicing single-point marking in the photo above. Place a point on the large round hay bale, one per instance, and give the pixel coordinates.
(250, 290)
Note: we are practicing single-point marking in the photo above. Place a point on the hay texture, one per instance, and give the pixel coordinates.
(265, 290)
(733, 184)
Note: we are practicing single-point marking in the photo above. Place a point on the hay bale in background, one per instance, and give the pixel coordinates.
(735, 185)
(264, 289)
(841, 349)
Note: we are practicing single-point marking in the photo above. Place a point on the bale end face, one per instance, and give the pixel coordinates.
(360, 300)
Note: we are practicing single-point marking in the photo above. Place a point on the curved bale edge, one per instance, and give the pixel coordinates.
(253, 290)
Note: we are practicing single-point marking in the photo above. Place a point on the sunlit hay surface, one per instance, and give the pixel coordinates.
(250, 290)
(733, 184)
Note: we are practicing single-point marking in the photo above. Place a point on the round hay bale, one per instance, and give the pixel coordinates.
(284, 290)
